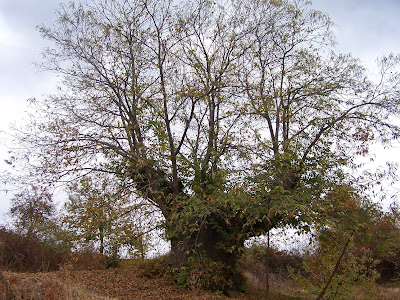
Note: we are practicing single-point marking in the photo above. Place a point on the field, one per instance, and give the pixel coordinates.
(138, 280)
(122, 283)
(128, 282)
(99, 284)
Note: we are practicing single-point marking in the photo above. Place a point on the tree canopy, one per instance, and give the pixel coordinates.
(32, 211)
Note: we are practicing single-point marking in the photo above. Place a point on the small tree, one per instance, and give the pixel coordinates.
(99, 210)
(32, 211)
(342, 259)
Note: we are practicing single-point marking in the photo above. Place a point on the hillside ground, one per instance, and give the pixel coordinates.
(130, 282)
(126, 282)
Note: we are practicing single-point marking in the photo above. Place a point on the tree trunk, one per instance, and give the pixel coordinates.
(178, 251)
(266, 296)
(205, 243)
(101, 241)
(209, 243)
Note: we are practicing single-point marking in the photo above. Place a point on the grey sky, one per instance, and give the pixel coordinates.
(20, 47)
(366, 28)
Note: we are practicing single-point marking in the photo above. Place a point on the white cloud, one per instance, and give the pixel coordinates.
(8, 38)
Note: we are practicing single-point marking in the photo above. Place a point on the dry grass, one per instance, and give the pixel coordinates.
(123, 283)
(46, 286)
(389, 293)
(376, 292)
(127, 284)
(93, 285)
(280, 283)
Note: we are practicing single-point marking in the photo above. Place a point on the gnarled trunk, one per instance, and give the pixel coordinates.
(214, 241)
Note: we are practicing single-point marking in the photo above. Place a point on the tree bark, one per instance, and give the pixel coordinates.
(267, 266)
(101, 241)
(210, 242)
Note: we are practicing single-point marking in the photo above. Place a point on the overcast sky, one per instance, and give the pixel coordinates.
(365, 28)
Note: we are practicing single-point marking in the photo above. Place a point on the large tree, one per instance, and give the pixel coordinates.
(228, 116)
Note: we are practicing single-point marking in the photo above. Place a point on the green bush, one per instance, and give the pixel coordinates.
(356, 269)
(197, 273)
(203, 273)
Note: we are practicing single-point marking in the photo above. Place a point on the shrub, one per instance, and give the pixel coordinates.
(356, 269)
(27, 254)
(203, 273)
(160, 267)
(86, 259)
(197, 273)
(278, 260)
(111, 261)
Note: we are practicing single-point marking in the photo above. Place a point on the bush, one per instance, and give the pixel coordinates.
(197, 273)
(86, 259)
(24, 254)
(278, 260)
(203, 273)
(111, 262)
(356, 269)
(160, 267)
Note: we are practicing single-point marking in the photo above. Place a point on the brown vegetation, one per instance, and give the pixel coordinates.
(28, 254)
(121, 283)
(133, 280)
(84, 275)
